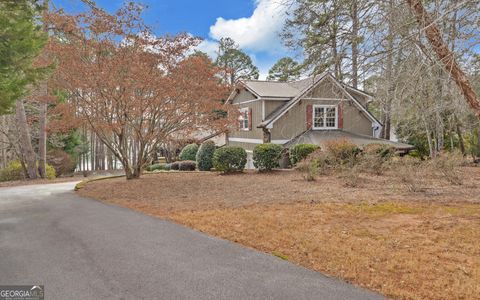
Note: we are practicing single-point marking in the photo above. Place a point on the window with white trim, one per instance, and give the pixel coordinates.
(243, 119)
(325, 117)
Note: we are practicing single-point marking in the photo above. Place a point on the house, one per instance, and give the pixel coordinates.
(311, 110)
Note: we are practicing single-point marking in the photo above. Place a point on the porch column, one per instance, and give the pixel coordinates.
(267, 136)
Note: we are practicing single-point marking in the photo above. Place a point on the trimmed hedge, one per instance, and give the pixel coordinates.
(189, 152)
(229, 159)
(301, 151)
(187, 165)
(158, 167)
(175, 166)
(14, 171)
(267, 156)
(205, 156)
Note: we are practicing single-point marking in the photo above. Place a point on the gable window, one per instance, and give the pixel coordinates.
(325, 117)
(244, 119)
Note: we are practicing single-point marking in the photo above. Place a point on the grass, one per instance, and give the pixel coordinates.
(405, 245)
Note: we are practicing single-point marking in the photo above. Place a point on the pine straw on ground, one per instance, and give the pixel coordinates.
(423, 245)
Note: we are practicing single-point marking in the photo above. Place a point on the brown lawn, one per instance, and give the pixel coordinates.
(422, 245)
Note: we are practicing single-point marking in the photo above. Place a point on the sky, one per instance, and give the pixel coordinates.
(253, 24)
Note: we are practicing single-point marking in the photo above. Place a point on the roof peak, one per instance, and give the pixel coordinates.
(269, 81)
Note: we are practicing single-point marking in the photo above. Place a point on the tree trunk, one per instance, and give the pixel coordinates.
(460, 137)
(444, 54)
(25, 143)
(477, 155)
(387, 109)
(354, 42)
(336, 55)
(92, 151)
(42, 142)
(439, 125)
(3, 143)
(431, 149)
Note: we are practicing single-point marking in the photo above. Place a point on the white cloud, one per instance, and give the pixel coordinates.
(208, 46)
(259, 32)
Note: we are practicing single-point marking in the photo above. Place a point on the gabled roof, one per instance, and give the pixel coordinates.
(294, 91)
(271, 89)
(306, 85)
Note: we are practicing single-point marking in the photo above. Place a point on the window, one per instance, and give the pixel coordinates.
(324, 117)
(243, 119)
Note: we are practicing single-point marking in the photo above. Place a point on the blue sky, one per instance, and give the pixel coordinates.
(254, 24)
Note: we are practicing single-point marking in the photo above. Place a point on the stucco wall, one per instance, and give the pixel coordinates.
(326, 89)
(355, 121)
(255, 133)
(271, 105)
(294, 122)
(242, 96)
(246, 146)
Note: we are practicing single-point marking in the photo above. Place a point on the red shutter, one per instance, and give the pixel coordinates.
(340, 115)
(250, 119)
(309, 116)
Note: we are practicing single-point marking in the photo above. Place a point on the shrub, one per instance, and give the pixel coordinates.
(309, 169)
(14, 171)
(189, 152)
(51, 174)
(342, 151)
(158, 167)
(448, 165)
(187, 165)
(61, 161)
(175, 165)
(410, 171)
(350, 176)
(301, 151)
(375, 156)
(229, 159)
(205, 156)
(381, 150)
(315, 164)
(267, 156)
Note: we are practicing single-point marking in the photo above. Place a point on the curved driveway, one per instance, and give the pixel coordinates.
(84, 249)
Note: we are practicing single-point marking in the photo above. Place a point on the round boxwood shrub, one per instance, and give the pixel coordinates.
(229, 159)
(189, 152)
(267, 156)
(205, 156)
(187, 165)
(301, 151)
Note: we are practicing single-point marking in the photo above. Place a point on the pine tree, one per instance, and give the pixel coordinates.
(286, 69)
(22, 39)
(234, 63)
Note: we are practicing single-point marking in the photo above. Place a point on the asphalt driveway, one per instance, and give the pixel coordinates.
(84, 249)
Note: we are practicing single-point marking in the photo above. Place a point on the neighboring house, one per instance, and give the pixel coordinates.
(312, 110)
